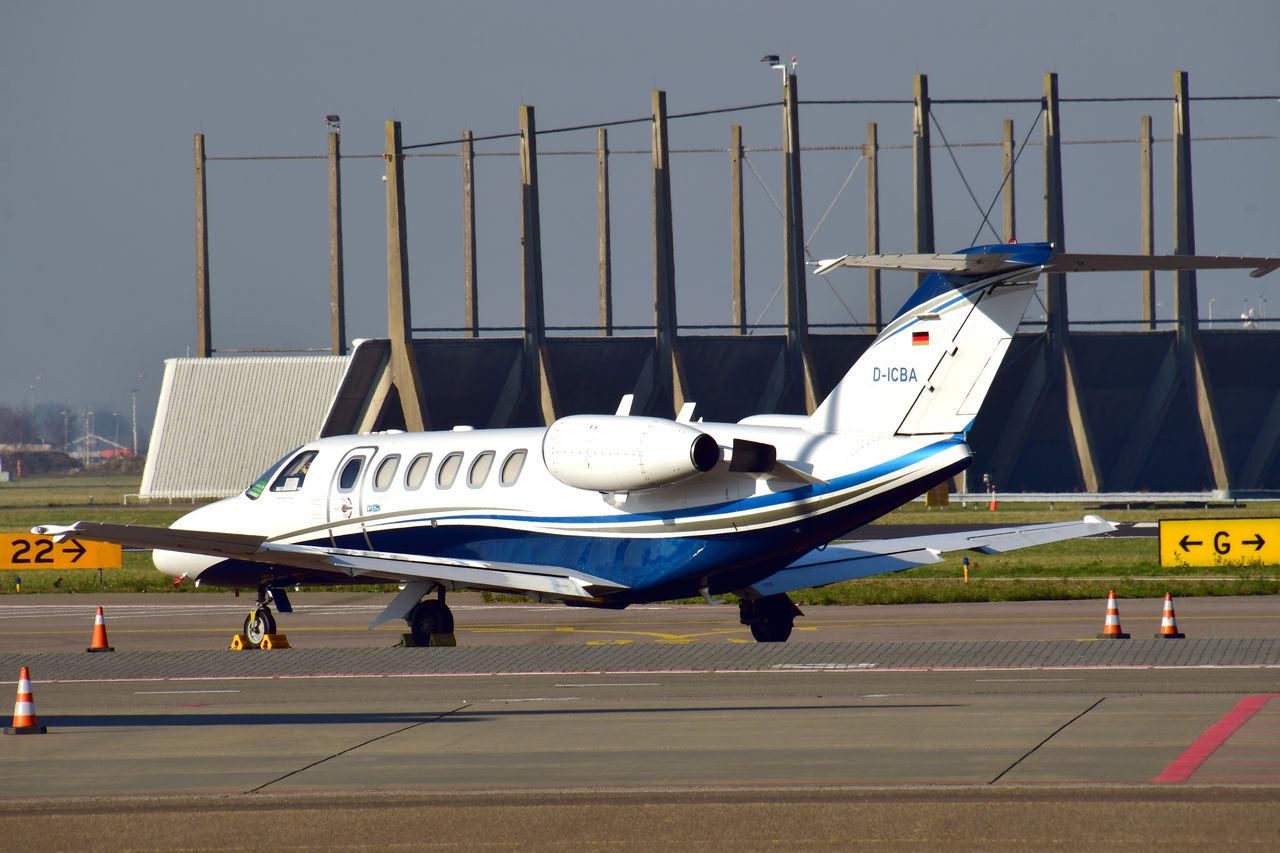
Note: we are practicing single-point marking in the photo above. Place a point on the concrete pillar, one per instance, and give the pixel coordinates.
(538, 377)
(403, 366)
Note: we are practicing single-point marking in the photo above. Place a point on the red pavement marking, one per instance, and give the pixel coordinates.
(1215, 736)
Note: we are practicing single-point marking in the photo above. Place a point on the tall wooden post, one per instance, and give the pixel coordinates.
(403, 365)
(337, 296)
(922, 174)
(1146, 200)
(204, 347)
(1194, 369)
(737, 239)
(668, 381)
(871, 151)
(470, 287)
(1184, 228)
(1009, 156)
(799, 366)
(604, 247)
(1054, 226)
(538, 377)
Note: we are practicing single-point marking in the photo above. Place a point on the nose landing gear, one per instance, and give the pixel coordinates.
(258, 624)
(261, 622)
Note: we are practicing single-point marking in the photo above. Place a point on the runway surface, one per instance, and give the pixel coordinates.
(994, 727)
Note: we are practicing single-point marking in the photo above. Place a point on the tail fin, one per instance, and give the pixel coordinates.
(931, 367)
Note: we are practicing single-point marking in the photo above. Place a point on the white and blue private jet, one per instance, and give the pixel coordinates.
(612, 510)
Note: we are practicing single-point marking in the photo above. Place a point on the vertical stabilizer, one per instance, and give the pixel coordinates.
(931, 367)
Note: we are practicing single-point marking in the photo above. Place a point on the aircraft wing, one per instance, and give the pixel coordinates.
(553, 581)
(847, 561)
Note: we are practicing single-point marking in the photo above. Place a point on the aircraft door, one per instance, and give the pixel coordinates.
(345, 492)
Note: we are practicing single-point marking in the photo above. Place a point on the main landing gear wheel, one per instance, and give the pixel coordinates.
(429, 621)
(258, 624)
(770, 618)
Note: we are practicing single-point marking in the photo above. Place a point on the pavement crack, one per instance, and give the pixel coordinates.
(1051, 736)
(354, 747)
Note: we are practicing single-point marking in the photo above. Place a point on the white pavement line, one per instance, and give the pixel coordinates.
(612, 684)
(169, 692)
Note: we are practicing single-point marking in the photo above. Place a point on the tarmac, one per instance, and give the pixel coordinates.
(993, 727)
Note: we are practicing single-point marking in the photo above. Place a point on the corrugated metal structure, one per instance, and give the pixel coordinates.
(221, 422)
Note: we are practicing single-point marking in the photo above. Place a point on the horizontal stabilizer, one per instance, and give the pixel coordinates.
(975, 264)
(847, 561)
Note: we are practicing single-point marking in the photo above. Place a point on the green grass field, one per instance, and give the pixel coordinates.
(1074, 569)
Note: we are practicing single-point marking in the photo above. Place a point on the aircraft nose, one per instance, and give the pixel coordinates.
(176, 564)
(214, 517)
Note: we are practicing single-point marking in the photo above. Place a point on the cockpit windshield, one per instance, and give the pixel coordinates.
(260, 484)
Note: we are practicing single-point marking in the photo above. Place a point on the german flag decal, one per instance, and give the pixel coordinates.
(919, 339)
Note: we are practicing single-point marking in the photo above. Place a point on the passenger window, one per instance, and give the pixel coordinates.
(511, 467)
(480, 469)
(448, 470)
(293, 475)
(417, 471)
(350, 473)
(386, 473)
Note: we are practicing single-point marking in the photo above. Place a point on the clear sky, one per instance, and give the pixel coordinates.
(99, 102)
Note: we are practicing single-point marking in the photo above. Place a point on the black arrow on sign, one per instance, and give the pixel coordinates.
(1257, 542)
(1186, 542)
(74, 547)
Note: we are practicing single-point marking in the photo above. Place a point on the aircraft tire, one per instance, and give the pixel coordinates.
(258, 624)
(771, 631)
(429, 618)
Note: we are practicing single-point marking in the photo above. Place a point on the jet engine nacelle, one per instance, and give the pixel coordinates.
(608, 453)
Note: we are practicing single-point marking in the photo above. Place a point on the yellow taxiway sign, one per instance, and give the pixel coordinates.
(28, 552)
(1220, 542)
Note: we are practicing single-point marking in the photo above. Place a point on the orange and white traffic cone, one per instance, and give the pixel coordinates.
(1111, 627)
(99, 641)
(24, 710)
(1168, 624)
(993, 498)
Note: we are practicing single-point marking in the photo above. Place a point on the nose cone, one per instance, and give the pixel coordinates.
(217, 517)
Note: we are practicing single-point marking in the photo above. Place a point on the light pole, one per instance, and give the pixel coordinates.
(64, 431)
(133, 393)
